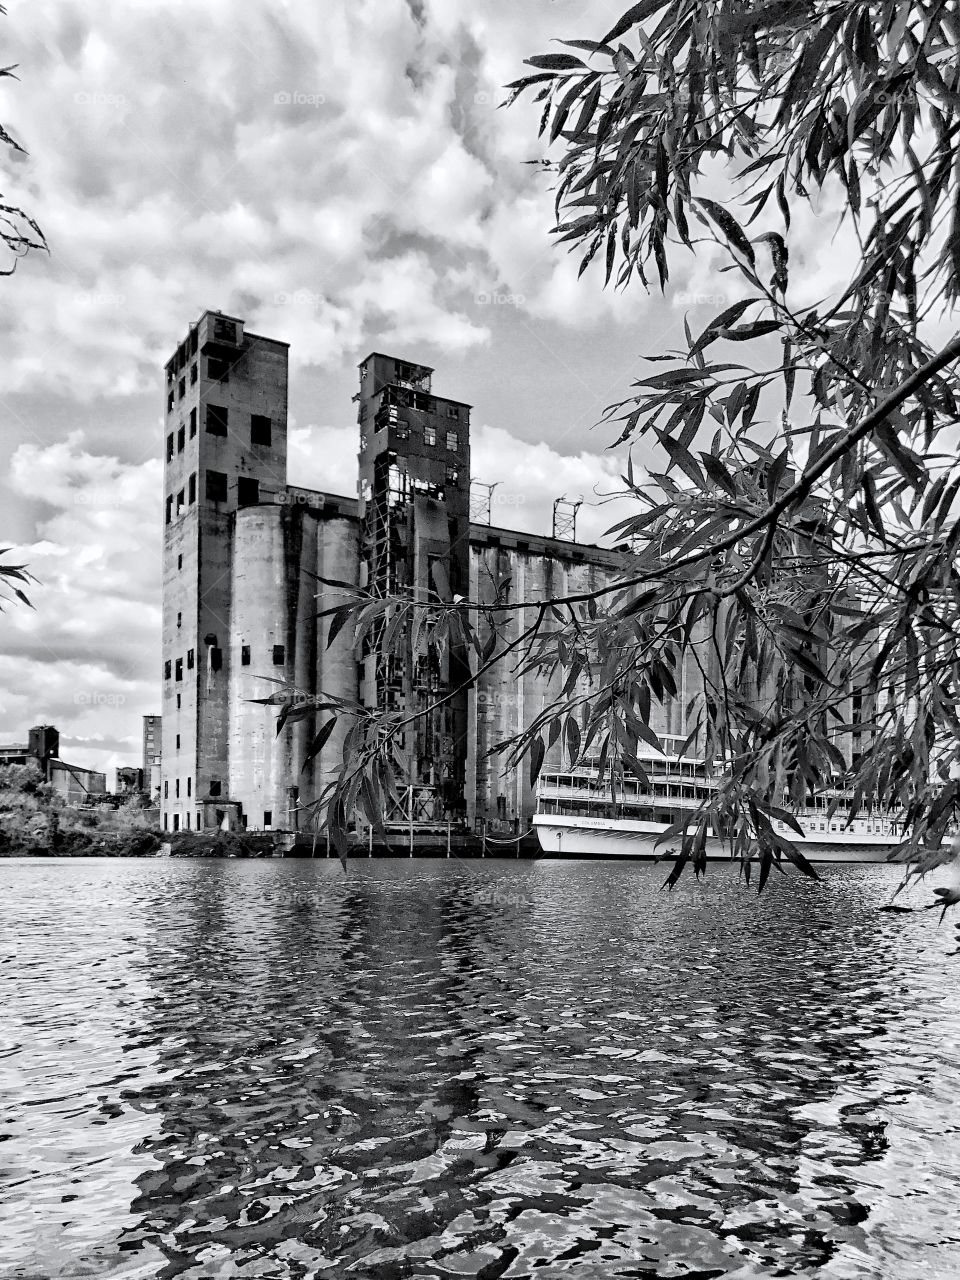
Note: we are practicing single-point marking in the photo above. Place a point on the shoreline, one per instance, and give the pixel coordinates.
(158, 844)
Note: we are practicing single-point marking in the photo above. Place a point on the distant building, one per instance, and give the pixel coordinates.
(247, 564)
(43, 747)
(152, 746)
(151, 742)
(74, 784)
(44, 742)
(127, 780)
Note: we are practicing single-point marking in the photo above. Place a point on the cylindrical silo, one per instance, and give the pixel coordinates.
(263, 641)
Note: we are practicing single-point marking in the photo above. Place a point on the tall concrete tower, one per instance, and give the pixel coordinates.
(226, 449)
(415, 521)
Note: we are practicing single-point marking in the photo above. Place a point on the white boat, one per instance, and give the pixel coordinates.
(578, 817)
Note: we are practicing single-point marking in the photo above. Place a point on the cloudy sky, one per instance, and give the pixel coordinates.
(339, 175)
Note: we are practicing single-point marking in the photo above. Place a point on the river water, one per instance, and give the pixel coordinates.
(275, 1069)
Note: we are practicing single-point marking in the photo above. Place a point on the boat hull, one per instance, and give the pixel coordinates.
(563, 837)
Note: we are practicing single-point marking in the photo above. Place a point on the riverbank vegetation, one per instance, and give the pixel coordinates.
(34, 821)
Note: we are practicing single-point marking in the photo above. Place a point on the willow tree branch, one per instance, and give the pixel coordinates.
(849, 439)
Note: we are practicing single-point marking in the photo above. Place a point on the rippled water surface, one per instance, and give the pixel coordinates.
(274, 1069)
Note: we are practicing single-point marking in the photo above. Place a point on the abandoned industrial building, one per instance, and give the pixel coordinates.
(244, 550)
(71, 782)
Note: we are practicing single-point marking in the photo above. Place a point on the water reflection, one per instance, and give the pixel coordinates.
(70, 1153)
(502, 1070)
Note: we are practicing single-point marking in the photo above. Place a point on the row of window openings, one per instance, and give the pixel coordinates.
(182, 384)
(402, 432)
(174, 667)
(248, 494)
(404, 486)
(216, 421)
(218, 370)
(429, 436)
(181, 387)
(267, 817)
(421, 401)
(185, 497)
(216, 789)
(186, 349)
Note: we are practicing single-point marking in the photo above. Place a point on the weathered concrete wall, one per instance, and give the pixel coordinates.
(213, 622)
(336, 670)
(257, 384)
(264, 576)
(197, 548)
(73, 784)
(180, 611)
(504, 702)
(280, 553)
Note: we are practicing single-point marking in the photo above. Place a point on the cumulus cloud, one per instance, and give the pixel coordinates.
(529, 477)
(324, 458)
(87, 659)
(353, 160)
